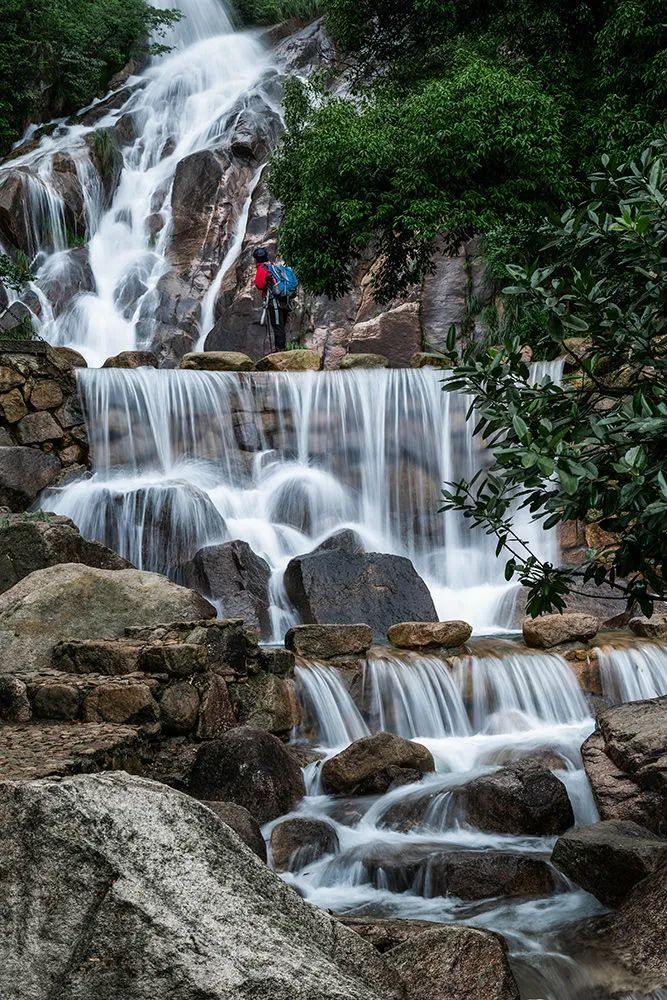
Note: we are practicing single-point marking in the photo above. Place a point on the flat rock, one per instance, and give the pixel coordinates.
(120, 887)
(290, 361)
(132, 359)
(422, 635)
(364, 361)
(371, 764)
(323, 642)
(424, 359)
(41, 749)
(609, 858)
(523, 798)
(217, 361)
(551, 630)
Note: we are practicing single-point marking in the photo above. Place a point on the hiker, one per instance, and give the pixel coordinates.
(279, 284)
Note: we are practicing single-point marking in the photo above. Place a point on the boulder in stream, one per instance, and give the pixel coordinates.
(290, 361)
(217, 361)
(374, 763)
(132, 359)
(234, 575)
(524, 798)
(609, 858)
(422, 635)
(331, 586)
(322, 642)
(552, 630)
(297, 842)
(251, 768)
(114, 886)
(242, 823)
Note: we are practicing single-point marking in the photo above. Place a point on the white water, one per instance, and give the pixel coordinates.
(181, 105)
(184, 459)
(482, 714)
(633, 673)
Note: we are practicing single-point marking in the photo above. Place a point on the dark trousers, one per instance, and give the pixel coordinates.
(278, 312)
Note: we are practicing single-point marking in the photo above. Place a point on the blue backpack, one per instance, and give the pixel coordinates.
(286, 281)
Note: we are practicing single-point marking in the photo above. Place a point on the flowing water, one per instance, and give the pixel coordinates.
(633, 673)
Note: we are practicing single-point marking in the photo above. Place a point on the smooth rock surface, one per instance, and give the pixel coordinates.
(114, 886)
(422, 635)
(297, 842)
(290, 361)
(550, 630)
(326, 641)
(217, 361)
(523, 798)
(370, 764)
(232, 574)
(24, 472)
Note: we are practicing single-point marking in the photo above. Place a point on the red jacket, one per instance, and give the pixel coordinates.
(263, 277)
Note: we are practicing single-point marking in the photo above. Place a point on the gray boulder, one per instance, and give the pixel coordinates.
(524, 798)
(80, 602)
(242, 823)
(114, 886)
(609, 858)
(340, 587)
(29, 542)
(327, 641)
(251, 768)
(234, 575)
(25, 472)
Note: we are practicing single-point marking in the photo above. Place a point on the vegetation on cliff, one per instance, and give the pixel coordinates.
(57, 55)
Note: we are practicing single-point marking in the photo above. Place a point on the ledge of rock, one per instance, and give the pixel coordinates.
(422, 635)
(608, 859)
(217, 361)
(290, 361)
(372, 764)
(551, 630)
(323, 642)
(237, 577)
(132, 359)
(425, 360)
(364, 361)
(649, 628)
(41, 750)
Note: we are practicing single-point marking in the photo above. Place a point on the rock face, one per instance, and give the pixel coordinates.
(242, 823)
(336, 586)
(422, 635)
(32, 542)
(370, 765)
(524, 798)
(116, 886)
(626, 763)
(235, 576)
(251, 768)
(81, 602)
(24, 472)
(609, 858)
(550, 630)
(454, 963)
(297, 842)
(323, 642)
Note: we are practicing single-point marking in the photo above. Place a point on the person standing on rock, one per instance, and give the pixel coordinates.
(279, 283)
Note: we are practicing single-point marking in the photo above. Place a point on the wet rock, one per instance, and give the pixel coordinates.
(265, 701)
(422, 359)
(242, 823)
(251, 768)
(179, 707)
(323, 642)
(609, 858)
(127, 869)
(132, 359)
(523, 798)
(364, 361)
(616, 794)
(218, 361)
(30, 542)
(290, 361)
(25, 472)
(550, 630)
(345, 540)
(370, 765)
(234, 575)
(107, 159)
(298, 842)
(14, 702)
(85, 603)
(336, 586)
(487, 874)
(396, 334)
(65, 277)
(454, 963)
(650, 628)
(422, 635)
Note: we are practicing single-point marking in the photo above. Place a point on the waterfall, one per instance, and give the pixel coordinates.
(185, 459)
(633, 673)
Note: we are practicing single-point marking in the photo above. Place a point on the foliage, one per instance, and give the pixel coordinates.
(56, 55)
(463, 153)
(593, 448)
(275, 11)
(15, 272)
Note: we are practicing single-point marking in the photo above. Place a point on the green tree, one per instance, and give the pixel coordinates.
(593, 448)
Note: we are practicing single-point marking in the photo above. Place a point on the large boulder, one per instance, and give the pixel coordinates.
(551, 630)
(80, 602)
(422, 635)
(370, 765)
(524, 798)
(649, 628)
(454, 963)
(217, 361)
(29, 542)
(323, 642)
(290, 361)
(114, 886)
(25, 472)
(242, 823)
(609, 858)
(332, 586)
(297, 842)
(132, 359)
(395, 334)
(251, 768)
(266, 701)
(232, 574)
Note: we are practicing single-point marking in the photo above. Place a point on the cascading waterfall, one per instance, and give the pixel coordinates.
(633, 673)
(185, 459)
(474, 714)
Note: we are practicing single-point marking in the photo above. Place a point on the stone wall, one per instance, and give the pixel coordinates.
(42, 430)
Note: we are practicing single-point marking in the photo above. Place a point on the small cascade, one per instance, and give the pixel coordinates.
(329, 712)
(633, 673)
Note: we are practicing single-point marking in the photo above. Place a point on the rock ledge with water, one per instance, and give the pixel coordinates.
(425, 635)
(373, 764)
